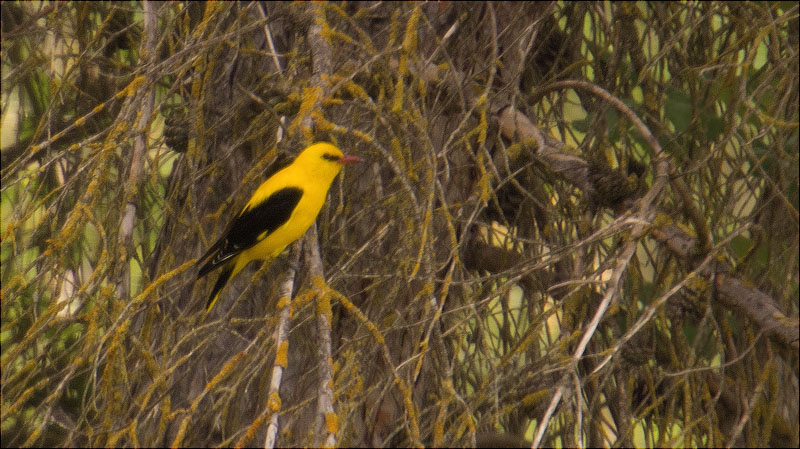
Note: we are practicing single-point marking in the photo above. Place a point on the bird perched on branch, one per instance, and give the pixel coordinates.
(279, 212)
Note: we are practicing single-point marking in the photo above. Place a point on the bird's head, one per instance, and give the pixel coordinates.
(325, 160)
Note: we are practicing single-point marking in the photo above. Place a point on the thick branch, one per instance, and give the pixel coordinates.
(733, 293)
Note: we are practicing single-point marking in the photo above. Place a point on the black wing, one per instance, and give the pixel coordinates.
(251, 226)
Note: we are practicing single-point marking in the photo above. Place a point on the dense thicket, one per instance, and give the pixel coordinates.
(578, 224)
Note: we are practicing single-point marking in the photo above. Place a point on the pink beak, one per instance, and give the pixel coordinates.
(349, 159)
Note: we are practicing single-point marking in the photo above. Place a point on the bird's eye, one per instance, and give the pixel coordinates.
(330, 157)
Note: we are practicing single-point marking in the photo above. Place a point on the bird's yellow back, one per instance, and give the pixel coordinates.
(310, 171)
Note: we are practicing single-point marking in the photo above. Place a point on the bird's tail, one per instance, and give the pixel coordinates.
(224, 275)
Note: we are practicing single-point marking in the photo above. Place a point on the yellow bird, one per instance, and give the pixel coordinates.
(279, 212)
